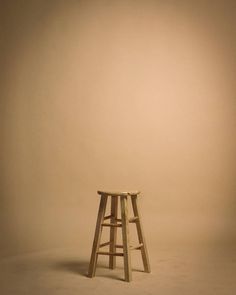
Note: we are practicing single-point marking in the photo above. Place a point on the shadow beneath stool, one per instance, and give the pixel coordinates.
(79, 267)
(111, 276)
(76, 267)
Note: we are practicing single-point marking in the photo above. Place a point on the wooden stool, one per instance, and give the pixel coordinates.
(114, 224)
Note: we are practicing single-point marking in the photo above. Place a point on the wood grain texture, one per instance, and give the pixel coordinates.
(113, 231)
(114, 224)
(141, 238)
(97, 236)
(125, 236)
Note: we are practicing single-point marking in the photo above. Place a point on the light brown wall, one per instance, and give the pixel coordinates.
(116, 94)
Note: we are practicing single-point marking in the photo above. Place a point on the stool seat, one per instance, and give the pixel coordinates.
(118, 193)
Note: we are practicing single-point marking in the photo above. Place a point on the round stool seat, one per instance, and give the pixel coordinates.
(118, 193)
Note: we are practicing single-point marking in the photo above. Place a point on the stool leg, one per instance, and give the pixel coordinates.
(97, 236)
(144, 253)
(113, 232)
(125, 235)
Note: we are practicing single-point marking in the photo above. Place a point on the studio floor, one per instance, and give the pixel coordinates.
(175, 270)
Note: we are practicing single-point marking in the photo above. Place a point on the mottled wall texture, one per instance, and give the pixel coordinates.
(116, 94)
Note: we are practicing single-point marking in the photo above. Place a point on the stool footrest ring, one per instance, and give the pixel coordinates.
(132, 219)
(110, 253)
(112, 224)
(104, 244)
(136, 247)
(108, 217)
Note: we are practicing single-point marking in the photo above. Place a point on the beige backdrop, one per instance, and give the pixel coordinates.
(116, 94)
